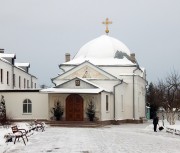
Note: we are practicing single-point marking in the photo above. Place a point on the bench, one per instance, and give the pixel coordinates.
(39, 125)
(19, 133)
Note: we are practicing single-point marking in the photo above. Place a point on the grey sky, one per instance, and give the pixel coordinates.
(42, 31)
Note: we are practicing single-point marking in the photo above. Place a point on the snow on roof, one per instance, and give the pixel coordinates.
(62, 90)
(98, 61)
(102, 47)
(3, 55)
(22, 64)
(5, 60)
(104, 50)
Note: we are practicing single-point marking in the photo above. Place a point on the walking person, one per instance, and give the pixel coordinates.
(155, 122)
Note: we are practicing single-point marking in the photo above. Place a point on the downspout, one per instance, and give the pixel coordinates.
(146, 96)
(115, 98)
(134, 93)
(13, 78)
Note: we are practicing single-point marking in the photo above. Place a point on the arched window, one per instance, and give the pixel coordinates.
(27, 106)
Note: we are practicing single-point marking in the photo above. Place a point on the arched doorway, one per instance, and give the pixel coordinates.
(74, 108)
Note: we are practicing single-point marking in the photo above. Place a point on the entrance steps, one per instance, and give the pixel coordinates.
(86, 124)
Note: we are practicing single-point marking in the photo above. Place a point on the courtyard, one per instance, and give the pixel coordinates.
(108, 139)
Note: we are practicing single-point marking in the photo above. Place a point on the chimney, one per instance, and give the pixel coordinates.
(133, 58)
(67, 57)
(1, 50)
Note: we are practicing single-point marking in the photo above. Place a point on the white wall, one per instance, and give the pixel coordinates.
(6, 67)
(18, 72)
(23, 76)
(107, 115)
(14, 105)
(140, 92)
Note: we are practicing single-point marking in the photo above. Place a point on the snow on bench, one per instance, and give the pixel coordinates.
(174, 129)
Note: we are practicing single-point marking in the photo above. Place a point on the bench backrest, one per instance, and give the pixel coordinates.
(14, 128)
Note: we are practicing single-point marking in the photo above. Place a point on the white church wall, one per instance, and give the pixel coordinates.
(117, 70)
(140, 92)
(106, 84)
(120, 101)
(128, 102)
(72, 84)
(107, 114)
(14, 105)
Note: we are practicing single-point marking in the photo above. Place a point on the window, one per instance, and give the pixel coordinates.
(34, 85)
(1, 75)
(14, 80)
(19, 82)
(27, 83)
(24, 83)
(27, 106)
(7, 77)
(107, 103)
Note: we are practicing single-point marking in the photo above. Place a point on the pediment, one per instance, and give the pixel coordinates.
(77, 83)
(86, 70)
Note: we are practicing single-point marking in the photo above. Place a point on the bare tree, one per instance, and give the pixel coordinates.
(152, 100)
(168, 93)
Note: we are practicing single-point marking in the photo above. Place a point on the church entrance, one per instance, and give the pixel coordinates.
(74, 108)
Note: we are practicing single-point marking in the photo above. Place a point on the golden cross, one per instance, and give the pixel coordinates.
(107, 22)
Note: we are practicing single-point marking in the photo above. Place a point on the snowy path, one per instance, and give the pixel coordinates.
(126, 138)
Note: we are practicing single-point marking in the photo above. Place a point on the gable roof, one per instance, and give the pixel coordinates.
(82, 79)
(86, 62)
(61, 89)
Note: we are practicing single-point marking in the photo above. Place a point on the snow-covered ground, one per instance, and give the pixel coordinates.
(126, 138)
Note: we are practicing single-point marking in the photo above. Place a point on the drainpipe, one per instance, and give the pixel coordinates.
(146, 96)
(13, 78)
(134, 92)
(115, 98)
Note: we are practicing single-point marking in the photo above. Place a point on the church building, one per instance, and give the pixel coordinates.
(103, 73)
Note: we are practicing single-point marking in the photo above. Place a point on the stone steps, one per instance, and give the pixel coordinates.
(73, 124)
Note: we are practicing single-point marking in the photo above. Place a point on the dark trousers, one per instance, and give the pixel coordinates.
(155, 127)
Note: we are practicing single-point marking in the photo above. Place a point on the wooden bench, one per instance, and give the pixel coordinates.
(19, 133)
(39, 125)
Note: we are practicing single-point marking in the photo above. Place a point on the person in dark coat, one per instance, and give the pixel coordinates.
(155, 122)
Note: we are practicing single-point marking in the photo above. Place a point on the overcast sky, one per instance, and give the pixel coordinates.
(42, 31)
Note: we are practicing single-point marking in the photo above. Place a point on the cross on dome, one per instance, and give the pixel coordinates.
(107, 22)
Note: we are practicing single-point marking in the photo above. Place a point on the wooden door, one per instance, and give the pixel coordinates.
(74, 108)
